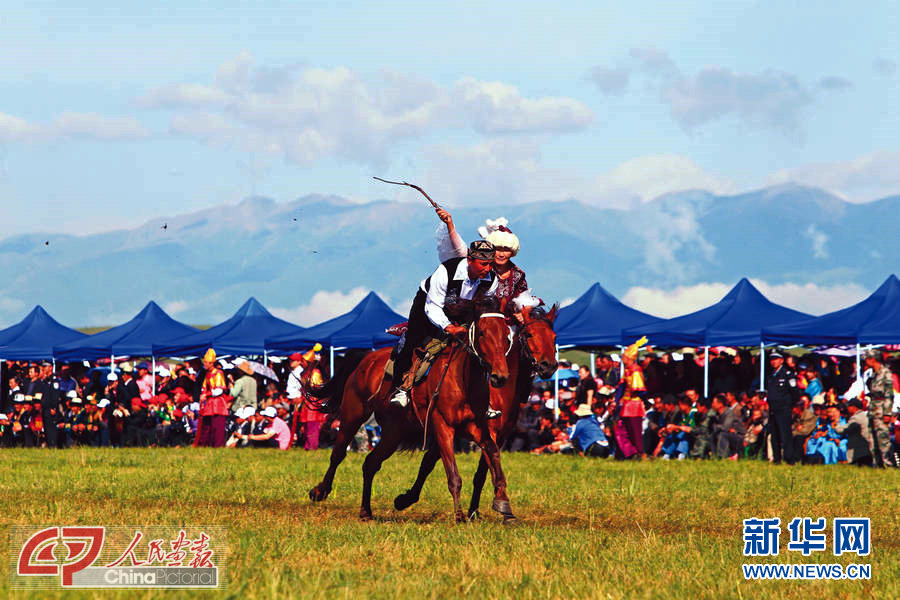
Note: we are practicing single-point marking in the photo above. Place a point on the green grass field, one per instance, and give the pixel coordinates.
(586, 529)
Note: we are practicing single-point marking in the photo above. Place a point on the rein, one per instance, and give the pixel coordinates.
(523, 342)
(473, 349)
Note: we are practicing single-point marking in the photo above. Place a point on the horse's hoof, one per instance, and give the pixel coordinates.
(461, 517)
(365, 516)
(502, 507)
(317, 494)
(404, 501)
(509, 519)
(474, 515)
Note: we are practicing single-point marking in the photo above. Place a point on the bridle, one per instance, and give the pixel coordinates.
(473, 326)
(523, 342)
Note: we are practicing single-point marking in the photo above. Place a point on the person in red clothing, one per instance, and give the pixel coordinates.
(214, 404)
(311, 418)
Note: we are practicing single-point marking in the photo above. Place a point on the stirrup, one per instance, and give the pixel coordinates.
(400, 397)
(491, 413)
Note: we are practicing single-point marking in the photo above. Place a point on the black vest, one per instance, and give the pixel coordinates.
(454, 286)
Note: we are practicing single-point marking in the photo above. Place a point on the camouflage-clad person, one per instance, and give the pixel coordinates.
(702, 430)
(881, 393)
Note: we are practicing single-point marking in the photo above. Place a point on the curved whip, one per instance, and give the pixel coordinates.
(413, 186)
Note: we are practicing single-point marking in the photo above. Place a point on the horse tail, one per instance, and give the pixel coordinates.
(328, 397)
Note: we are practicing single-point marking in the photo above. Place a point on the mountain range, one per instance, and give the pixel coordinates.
(203, 265)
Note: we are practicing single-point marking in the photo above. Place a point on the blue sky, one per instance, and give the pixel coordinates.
(110, 116)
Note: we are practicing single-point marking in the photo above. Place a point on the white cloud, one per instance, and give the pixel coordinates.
(97, 127)
(769, 99)
(511, 171)
(818, 239)
(12, 310)
(805, 297)
(322, 306)
(175, 307)
(13, 128)
(306, 114)
(72, 125)
(674, 302)
(495, 107)
(648, 177)
(861, 179)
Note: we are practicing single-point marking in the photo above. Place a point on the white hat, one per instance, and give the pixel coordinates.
(112, 377)
(3, 416)
(19, 398)
(245, 412)
(269, 411)
(71, 394)
(104, 402)
(163, 372)
(497, 233)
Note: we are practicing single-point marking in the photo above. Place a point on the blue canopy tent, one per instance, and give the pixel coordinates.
(596, 319)
(34, 337)
(875, 320)
(885, 328)
(244, 333)
(362, 327)
(135, 338)
(736, 320)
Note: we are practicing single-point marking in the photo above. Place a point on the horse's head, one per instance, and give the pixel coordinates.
(490, 340)
(538, 340)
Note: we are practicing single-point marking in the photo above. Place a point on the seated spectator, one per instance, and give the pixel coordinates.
(588, 437)
(755, 436)
(559, 444)
(804, 422)
(857, 432)
(730, 430)
(677, 433)
(826, 445)
(276, 431)
(242, 429)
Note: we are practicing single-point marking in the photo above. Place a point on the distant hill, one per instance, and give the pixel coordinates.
(207, 263)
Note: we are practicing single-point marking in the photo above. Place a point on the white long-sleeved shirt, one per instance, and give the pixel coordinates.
(294, 387)
(436, 294)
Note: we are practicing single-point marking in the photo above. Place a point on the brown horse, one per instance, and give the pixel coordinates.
(533, 351)
(454, 397)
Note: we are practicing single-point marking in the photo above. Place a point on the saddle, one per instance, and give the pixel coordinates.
(423, 358)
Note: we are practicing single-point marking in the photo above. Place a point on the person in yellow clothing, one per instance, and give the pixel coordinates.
(213, 404)
(629, 432)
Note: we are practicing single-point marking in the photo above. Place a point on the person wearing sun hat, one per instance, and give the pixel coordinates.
(243, 391)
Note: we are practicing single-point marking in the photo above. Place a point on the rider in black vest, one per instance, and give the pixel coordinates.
(455, 280)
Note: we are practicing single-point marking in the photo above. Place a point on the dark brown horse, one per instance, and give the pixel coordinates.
(533, 351)
(454, 397)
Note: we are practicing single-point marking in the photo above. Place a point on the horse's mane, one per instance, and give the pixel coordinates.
(467, 311)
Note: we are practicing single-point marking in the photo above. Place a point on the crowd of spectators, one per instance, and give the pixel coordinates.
(830, 420)
(81, 405)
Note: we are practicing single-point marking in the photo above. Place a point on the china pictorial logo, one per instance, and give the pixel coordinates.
(118, 557)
